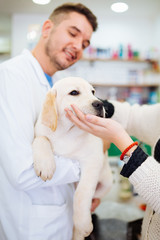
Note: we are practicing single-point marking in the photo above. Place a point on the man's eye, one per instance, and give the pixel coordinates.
(85, 44)
(72, 34)
(74, 92)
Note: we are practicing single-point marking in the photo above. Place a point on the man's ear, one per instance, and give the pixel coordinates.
(109, 108)
(46, 28)
(49, 111)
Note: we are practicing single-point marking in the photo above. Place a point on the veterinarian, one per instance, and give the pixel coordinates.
(142, 170)
(31, 209)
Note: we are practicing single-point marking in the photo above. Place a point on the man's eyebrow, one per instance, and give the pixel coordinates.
(77, 29)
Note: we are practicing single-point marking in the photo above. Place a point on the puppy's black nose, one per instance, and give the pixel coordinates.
(97, 105)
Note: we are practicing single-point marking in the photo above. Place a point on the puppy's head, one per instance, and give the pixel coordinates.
(67, 91)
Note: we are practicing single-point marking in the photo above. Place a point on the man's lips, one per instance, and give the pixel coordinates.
(70, 54)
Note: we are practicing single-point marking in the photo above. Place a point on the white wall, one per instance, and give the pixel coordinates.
(141, 33)
(113, 31)
(20, 24)
(156, 37)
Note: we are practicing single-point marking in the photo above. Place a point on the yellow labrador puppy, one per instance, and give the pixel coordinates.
(69, 141)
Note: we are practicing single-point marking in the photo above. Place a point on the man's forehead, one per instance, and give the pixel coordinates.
(78, 19)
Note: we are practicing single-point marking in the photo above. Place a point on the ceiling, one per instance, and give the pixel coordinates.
(137, 8)
(148, 8)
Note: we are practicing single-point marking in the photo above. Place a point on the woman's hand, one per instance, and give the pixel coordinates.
(105, 128)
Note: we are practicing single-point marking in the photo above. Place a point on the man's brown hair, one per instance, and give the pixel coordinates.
(66, 8)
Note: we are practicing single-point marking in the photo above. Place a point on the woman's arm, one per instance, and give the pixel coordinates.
(140, 121)
(142, 170)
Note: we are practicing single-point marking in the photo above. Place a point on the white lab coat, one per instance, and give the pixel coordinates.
(30, 209)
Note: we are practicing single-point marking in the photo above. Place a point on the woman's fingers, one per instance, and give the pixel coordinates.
(78, 122)
(88, 118)
(107, 129)
(78, 113)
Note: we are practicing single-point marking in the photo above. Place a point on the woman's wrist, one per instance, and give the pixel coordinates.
(123, 141)
(135, 161)
(130, 151)
(127, 153)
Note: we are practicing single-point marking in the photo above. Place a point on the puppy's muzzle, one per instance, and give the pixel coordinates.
(98, 105)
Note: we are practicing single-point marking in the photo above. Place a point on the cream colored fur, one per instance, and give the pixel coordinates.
(55, 133)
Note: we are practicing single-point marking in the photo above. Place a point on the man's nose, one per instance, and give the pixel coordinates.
(78, 45)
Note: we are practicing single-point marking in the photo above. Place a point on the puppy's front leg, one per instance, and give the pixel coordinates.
(43, 158)
(82, 201)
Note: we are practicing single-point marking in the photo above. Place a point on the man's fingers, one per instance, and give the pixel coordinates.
(95, 204)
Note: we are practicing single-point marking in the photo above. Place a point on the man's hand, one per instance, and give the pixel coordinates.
(95, 204)
(106, 145)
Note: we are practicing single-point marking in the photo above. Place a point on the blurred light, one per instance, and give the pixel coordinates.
(41, 2)
(119, 7)
(31, 35)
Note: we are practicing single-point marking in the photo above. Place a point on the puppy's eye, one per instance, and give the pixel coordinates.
(74, 92)
(93, 92)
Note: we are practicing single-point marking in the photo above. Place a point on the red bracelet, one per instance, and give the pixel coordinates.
(127, 149)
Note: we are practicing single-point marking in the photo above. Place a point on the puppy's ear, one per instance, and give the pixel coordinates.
(109, 108)
(49, 111)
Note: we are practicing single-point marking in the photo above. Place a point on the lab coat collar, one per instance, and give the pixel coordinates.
(37, 67)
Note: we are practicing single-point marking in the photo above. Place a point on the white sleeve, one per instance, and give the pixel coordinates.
(18, 116)
(141, 121)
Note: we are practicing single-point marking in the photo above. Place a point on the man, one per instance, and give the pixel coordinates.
(31, 209)
(64, 37)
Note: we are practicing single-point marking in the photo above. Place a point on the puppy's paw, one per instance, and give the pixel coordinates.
(82, 228)
(45, 167)
(77, 235)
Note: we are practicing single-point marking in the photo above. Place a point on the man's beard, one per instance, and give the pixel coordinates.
(54, 60)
